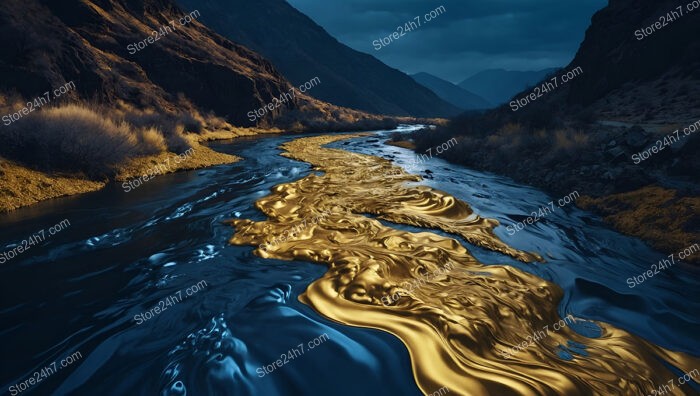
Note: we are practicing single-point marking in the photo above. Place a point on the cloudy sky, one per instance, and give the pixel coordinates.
(470, 36)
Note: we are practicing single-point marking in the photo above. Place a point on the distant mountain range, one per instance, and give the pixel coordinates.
(451, 93)
(498, 86)
(349, 78)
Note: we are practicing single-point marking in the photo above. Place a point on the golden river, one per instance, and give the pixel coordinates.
(472, 328)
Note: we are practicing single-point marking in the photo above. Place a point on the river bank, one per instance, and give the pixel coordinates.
(656, 200)
(124, 253)
(21, 186)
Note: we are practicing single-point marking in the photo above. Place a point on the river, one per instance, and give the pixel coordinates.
(226, 315)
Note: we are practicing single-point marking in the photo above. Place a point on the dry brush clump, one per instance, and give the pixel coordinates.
(78, 138)
(75, 138)
(169, 126)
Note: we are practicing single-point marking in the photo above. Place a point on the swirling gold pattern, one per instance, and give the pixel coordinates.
(456, 323)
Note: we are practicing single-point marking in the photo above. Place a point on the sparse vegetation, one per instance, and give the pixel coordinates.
(322, 117)
(563, 148)
(666, 218)
(76, 138)
(72, 149)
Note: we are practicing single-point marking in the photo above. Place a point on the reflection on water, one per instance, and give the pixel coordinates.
(457, 324)
(124, 253)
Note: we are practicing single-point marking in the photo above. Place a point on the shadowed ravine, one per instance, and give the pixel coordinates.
(456, 324)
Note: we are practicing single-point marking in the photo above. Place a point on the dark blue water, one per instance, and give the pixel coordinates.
(126, 253)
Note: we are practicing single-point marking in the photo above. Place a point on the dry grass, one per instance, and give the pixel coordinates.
(72, 149)
(569, 140)
(77, 139)
(511, 129)
(671, 223)
(200, 157)
(20, 186)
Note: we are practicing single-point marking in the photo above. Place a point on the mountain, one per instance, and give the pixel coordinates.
(133, 82)
(451, 93)
(620, 132)
(349, 78)
(652, 79)
(49, 43)
(137, 53)
(499, 86)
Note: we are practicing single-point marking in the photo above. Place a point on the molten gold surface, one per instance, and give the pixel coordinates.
(455, 315)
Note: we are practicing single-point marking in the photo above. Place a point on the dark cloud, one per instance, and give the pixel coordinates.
(470, 36)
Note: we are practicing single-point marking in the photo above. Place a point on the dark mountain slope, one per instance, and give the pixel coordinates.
(584, 135)
(451, 93)
(611, 54)
(86, 42)
(138, 79)
(350, 78)
(47, 43)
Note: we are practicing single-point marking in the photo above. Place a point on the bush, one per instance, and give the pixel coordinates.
(168, 126)
(152, 137)
(176, 140)
(76, 138)
(190, 123)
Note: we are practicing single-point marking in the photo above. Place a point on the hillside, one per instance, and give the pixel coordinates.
(451, 93)
(94, 44)
(50, 43)
(350, 78)
(131, 81)
(656, 79)
(599, 132)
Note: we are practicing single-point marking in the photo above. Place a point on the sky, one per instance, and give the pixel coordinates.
(469, 36)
